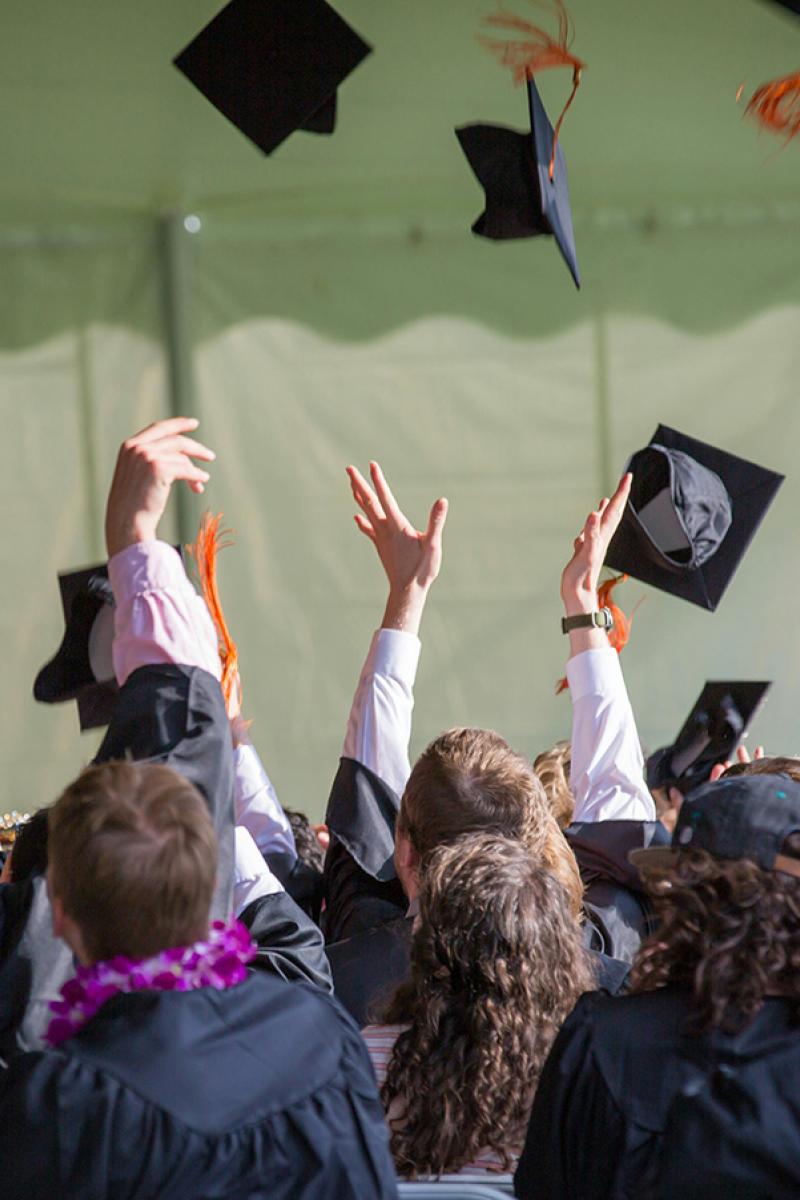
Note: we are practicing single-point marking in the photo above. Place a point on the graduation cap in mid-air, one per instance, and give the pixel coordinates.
(273, 66)
(692, 512)
(792, 5)
(713, 731)
(82, 668)
(522, 198)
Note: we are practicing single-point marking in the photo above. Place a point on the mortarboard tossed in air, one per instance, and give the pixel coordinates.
(513, 170)
(692, 512)
(792, 5)
(524, 175)
(713, 731)
(82, 667)
(273, 66)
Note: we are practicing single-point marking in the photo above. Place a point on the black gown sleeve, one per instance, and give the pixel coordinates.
(361, 887)
(289, 943)
(176, 715)
(576, 1132)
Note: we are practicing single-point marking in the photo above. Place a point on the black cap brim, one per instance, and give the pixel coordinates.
(751, 489)
(273, 66)
(513, 169)
(714, 729)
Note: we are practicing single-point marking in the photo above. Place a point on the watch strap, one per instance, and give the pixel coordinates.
(594, 620)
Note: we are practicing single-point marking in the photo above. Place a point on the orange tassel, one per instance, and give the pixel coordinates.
(776, 106)
(618, 637)
(537, 52)
(208, 543)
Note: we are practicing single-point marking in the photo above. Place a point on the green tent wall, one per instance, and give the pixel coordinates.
(334, 307)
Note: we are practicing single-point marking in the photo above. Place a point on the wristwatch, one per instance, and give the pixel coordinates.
(595, 620)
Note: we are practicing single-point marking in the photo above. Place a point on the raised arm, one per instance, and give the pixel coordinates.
(379, 726)
(159, 617)
(607, 775)
(361, 886)
(170, 708)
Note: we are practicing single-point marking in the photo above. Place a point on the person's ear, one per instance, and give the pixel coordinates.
(406, 861)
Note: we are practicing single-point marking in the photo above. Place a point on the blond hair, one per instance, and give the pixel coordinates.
(553, 768)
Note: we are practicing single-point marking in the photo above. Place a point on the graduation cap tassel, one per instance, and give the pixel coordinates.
(537, 51)
(618, 637)
(776, 106)
(209, 541)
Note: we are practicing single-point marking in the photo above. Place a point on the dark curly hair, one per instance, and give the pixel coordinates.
(729, 932)
(496, 966)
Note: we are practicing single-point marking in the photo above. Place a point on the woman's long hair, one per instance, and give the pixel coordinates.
(729, 932)
(496, 966)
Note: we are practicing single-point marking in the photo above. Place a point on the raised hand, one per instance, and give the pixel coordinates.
(742, 756)
(147, 465)
(582, 572)
(410, 558)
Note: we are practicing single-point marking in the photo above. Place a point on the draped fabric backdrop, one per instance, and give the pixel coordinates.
(333, 307)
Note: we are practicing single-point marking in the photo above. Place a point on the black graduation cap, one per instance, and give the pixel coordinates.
(692, 512)
(513, 169)
(714, 729)
(85, 651)
(792, 5)
(273, 66)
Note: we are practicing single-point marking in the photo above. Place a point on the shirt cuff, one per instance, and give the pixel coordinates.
(252, 876)
(394, 653)
(594, 673)
(146, 567)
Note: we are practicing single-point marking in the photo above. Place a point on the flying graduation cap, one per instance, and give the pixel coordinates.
(522, 198)
(692, 512)
(82, 668)
(273, 66)
(524, 175)
(792, 5)
(713, 731)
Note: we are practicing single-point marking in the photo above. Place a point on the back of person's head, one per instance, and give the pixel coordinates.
(29, 853)
(727, 897)
(777, 765)
(496, 966)
(307, 844)
(552, 767)
(132, 859)
(470, 780)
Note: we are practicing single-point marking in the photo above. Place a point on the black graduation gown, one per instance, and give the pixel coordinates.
(368, 931)
(264, 1090)
(632, 1106)
(174, 715)
(613, 898)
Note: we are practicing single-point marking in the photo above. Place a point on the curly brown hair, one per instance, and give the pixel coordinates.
(729, 932)
(470, 780)
(496, 966)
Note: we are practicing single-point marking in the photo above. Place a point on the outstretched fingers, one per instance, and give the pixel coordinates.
(615, 507)
(364, 496)
(436, 520)
(387, 501)
(162, 429)
(364, 525)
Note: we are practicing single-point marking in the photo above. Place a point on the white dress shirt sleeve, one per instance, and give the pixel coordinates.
(252, 877)
(607, 773)
(257, 807)
(379, 726)
(159, 617)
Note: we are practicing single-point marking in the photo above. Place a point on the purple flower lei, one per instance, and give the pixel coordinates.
(217, 961)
